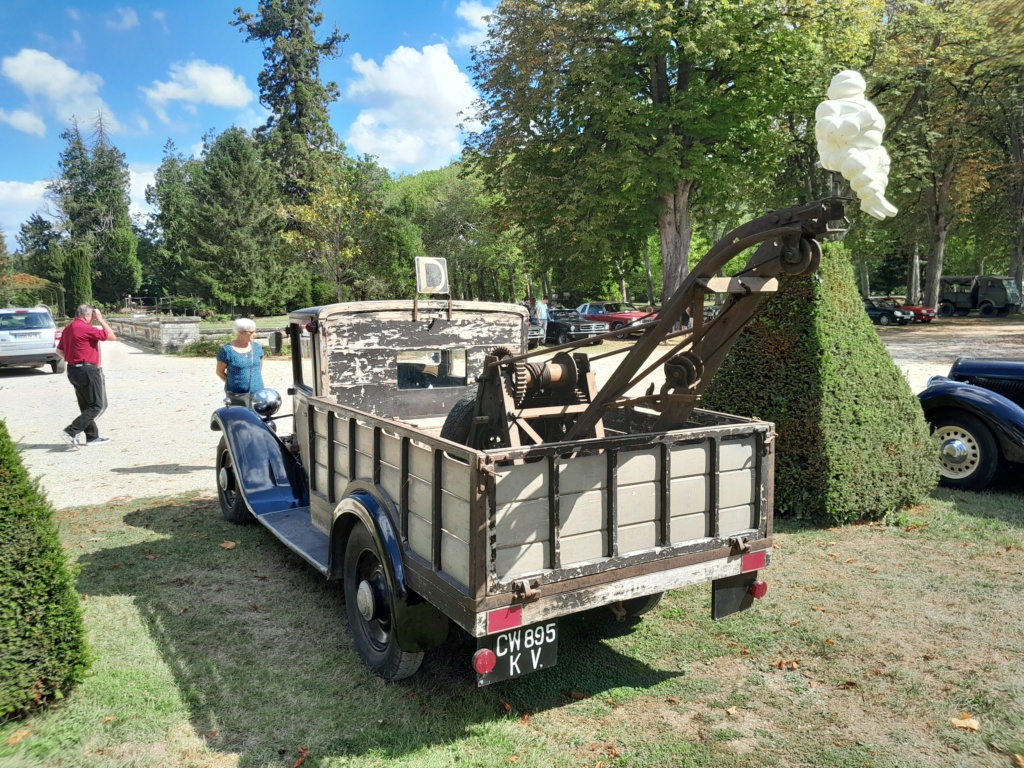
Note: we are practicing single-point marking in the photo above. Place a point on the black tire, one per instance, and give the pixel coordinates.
(617, 326)
(58, 366)
(946, 309)
(369, 605)
(232, 505)
(968, 453)
(987, 310)
(459, 420)
(563, 338)
(638, 606)
(884, 319)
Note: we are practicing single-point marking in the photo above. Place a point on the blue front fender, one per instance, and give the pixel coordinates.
(1000, 414)
(269, 476)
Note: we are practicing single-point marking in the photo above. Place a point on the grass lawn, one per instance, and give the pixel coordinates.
(215, 646)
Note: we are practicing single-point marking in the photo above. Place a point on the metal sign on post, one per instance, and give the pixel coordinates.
(431, 277)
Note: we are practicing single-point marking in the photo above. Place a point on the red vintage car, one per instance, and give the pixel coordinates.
(922, 314)
(618, 314)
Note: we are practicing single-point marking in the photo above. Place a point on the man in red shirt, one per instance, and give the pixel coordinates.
(80, 347)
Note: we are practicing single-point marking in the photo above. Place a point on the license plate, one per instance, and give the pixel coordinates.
(520, 651)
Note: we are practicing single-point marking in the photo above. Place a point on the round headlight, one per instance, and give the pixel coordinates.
(266, 402)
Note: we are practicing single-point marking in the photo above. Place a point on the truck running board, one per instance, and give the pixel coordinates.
(295, 528)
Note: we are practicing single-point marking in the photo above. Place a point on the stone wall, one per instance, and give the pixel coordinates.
(161, 334)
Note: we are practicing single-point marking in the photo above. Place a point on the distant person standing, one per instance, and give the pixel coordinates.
(79, 345)
(240, 364)
(542, 315)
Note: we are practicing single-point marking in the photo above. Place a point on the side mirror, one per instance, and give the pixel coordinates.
(275, 342)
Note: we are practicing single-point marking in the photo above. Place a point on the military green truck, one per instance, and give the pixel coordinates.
(989, 295)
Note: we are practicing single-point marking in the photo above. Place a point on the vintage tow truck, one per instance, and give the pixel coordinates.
(445, 476)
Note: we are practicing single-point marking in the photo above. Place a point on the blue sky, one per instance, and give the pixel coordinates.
(176, 69)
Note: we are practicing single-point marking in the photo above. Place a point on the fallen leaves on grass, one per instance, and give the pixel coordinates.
(786, 664)
(966, 722)
(731, 711)
(506, 706)
(577, 695)
(303, 754)
(819, 608)
(229, 545)
(17, 736)
(613, 703)
(672, 700)
(1018, 760)
(613, 752)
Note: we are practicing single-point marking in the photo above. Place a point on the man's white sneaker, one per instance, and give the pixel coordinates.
(98, 441)
(70, 440)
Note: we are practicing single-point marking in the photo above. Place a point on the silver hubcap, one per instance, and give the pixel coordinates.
(364, 600)
(958, 452)
(223, 478)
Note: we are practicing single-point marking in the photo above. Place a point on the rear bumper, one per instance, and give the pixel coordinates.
(30, 358)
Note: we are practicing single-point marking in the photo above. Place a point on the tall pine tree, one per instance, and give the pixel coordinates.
(290, 86)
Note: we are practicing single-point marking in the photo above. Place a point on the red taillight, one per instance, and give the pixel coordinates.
(57, 333)
(484, 661)
(759, 589)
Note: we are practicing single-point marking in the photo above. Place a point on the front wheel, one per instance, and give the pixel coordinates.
(232, 505)
(884, 320)
(370, 608)
(987, 310)
(563, 338)
(616, 327)
(968, 454)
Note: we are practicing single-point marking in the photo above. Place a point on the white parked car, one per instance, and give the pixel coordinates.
(28, 338)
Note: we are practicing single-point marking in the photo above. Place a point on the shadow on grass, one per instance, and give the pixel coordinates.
(262, 656)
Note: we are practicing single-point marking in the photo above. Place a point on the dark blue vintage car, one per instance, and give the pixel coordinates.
(977, 413)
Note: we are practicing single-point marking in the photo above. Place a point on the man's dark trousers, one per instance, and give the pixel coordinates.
(87, 379)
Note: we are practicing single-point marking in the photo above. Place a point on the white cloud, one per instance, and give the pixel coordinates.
(415, 99)
(141, 176)
(197, 82)
(161, 17)
(18, 201)
(65, 91)
(126, 18)
(473, 13)
(24, 121)
(74, 14)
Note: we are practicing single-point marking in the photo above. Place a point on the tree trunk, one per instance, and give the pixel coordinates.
(622, 289)
(676, 232)
(937, 197)
(647, 270)
(914, 275)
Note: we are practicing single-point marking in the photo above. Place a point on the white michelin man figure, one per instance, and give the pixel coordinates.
(849, 132)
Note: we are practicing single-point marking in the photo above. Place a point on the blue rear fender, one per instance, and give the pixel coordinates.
(1001, 415)
(269, 476)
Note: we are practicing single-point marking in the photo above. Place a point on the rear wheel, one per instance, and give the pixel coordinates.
(369, 604)
(58, 366)
(946, 309)
(232, 505)
(968, 454)
(638, 606)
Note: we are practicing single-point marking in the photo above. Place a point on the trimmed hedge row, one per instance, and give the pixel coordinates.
(852, 439)
(42, 635)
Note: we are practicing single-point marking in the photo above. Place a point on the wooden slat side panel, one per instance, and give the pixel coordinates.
(688, 460)
(736, 519)
(391, 449)
(391, 481)
(690, 527)
(514, 562)
(319, 421)
(584, 512)
(637, 504)
(455, 515)
(341, 430)
(364, 466)
(521, 482)
(736, 488)
(584, 473)
(421, 462)
(583, 547)
(341, 458)
(521, 522)
(633, 538)
(736, 454)
(320, 448)
(320, 475)
(420, 536)
(420, 497)
(455, 477)
(639, 467)
(364, 439)
(691, 495)
(455, 557)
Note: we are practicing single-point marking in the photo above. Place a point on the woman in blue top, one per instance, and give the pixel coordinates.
(240, 364)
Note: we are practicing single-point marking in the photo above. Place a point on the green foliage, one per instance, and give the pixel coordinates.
(165, 244)
(852, 440)
(290, 87)
(234, 231)
(41, 249)
(77, 279)
(42, 636)
(117, 267)
(207, 346)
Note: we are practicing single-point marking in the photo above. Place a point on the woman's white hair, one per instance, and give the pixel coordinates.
(244, 324)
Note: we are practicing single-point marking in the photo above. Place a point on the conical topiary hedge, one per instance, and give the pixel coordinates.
(852, 440)
(42, 636)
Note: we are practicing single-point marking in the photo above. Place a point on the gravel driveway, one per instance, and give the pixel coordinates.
(159, 410)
